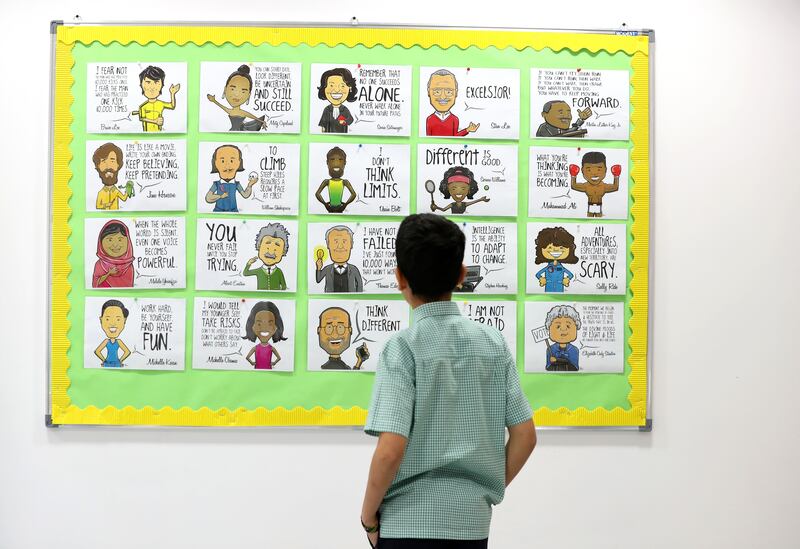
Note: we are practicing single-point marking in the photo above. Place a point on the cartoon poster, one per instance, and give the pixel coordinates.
(467, 179)
(351, 257)
(574, 337)
(246, 255)
(578, 182)
(243, 334)
(142, 252)
(501, 315)
(146, 97)
(360, 99)
(251, 178)
(490, 255)
(469, 102)
(349, 335)
(134, 333)
(580, 103)
(250, 97)
(577, 258)
(359, 179)
(136, 176)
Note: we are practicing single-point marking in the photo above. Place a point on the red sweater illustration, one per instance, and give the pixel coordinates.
(449, 126)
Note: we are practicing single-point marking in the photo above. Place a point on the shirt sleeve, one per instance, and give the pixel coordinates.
(392, 407)
(517, 407)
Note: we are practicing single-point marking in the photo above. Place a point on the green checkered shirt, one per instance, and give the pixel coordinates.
(450, 386)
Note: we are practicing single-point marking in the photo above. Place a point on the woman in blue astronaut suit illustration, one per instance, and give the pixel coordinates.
(555, 246)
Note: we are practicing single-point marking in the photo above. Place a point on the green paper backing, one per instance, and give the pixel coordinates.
(249, 390)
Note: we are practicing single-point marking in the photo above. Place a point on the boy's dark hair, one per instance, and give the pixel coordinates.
(153, 73)
(593, 158)
(114, 303)
(430, 253)
(346, 75)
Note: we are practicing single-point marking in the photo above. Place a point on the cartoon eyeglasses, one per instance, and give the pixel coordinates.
(340, 328)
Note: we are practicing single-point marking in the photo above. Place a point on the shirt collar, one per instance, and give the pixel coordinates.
(436, 308)
(441, 115)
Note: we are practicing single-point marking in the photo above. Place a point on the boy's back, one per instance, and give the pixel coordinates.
(445, 390)
(450, 386)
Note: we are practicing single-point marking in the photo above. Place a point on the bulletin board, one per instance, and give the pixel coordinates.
(225, 201)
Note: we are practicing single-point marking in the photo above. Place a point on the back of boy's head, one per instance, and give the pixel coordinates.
(430, 252)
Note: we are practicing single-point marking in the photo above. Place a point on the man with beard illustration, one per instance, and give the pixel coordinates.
(337, 160)
(107, 161)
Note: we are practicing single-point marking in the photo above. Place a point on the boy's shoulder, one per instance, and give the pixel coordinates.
(398, 344)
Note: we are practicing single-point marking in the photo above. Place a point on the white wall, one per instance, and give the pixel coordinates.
(719, 470)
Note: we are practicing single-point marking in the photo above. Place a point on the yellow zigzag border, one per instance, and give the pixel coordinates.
(63, 412)
(353, 36)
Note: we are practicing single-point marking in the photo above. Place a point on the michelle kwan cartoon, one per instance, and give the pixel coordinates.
(555, 247)
(113, 316)
(238, 88)
(114, 265)
(459, 184)
(336, 86)
(264, 324)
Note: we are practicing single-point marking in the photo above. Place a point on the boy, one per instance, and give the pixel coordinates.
(445, 390)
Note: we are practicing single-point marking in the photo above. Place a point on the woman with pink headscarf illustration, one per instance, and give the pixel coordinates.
(114, 266)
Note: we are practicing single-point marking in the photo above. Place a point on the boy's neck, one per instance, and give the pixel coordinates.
(415, 300)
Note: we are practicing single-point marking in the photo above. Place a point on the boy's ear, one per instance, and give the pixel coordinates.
(402, 282)
(462, 275)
